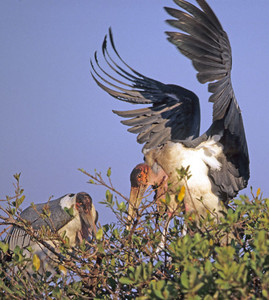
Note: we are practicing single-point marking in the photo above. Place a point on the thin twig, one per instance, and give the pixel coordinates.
(102, 182)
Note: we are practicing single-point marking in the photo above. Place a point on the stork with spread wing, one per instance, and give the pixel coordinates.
(169, 127)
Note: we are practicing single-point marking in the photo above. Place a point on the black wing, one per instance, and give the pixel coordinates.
(17, 237)
(208, 47)
(55, 219)
(37, 217)
(175, 111)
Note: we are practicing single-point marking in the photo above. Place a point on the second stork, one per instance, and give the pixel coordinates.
(170, 127)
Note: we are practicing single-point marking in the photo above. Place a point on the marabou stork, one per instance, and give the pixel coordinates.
(72, 215)
(169, 128)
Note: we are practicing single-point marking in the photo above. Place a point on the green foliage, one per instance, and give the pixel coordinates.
(70, 211)
(119, 264)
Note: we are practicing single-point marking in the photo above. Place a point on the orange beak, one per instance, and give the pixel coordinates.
(136, 196)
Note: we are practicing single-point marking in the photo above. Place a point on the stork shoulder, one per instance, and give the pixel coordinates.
(209, 152)
(71, 229)
(67, 201)
(178, 155)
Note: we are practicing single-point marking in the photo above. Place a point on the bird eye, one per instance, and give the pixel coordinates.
(71, 195)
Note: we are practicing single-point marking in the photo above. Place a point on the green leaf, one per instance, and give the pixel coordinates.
(122, 206)
(150, 268)
(82, 245)
(197, 287)
(100, 249)
(160, 284)
(208, 267)
(125, 280)
(167, 199)
(99, 234)
(20, 200)
(138, 272)
(265, 294)
(108, 174)
(4, 247)
(5, 288)
(144, 272)
(29, 248)
(131, 269)
(109, 197)
(70, 211)
(158, 293)
(17, 176)
(116, 233)
(12, 211)
(17, 250)
(184, 280)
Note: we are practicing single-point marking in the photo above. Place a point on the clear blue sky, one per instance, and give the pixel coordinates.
(54, 118)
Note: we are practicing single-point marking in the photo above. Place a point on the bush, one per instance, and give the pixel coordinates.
(119, 264)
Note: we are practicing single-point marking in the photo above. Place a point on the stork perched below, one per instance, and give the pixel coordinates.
(72, 215)
(218, 159)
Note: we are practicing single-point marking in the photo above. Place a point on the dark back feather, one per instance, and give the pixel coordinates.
(174, 112)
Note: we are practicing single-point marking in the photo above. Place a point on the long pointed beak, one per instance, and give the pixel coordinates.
(88, 224)
(136, 196)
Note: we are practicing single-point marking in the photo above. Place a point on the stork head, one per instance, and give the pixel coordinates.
(142, 176)
(88, 214)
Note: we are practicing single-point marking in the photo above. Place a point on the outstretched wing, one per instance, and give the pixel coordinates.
(174, 112)
(207, 45)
